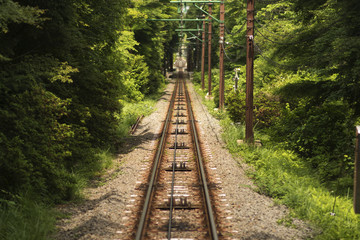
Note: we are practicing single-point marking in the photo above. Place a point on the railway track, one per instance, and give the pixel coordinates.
(177, 202)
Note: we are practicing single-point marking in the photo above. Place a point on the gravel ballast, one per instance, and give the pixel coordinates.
(101, 214)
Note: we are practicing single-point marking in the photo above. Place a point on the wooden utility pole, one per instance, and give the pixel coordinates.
(209, 50)
(357, 173)
(249, 133)
(221, 64)
(203, 58)
(197, 55)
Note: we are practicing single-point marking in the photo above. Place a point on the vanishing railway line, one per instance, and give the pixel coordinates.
(177, 202)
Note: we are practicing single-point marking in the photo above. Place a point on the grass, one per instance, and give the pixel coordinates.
(25, 219)
(132, 110)
(284, 176)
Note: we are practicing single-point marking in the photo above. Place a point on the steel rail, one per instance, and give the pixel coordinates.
(212, 224)
(149, 193)
(173, 167)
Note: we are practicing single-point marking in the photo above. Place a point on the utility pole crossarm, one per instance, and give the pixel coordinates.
(188, 30)
(195, 36)
(194, 1)
(174, 20)
(219, 21)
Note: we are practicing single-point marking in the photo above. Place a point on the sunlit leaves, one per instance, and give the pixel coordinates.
(11, 11)
(63, 73)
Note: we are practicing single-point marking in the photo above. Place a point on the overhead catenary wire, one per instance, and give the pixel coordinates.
(227, 56)
(276, 42)
(272, 62)
(267, 30)
(229, 32)
(297, 42)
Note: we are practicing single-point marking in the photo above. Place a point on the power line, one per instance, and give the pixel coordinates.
(229, 32)
(276, 34)
(232, 60)
(272, 62)
(281, 43)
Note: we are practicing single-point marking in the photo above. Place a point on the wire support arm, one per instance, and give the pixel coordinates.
(195, 37)
(176, 20)
(208, 13)
(190, 1)
(188, 30)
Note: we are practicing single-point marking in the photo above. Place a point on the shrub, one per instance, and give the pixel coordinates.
(22, 219)
(267, 108)
(321, 134)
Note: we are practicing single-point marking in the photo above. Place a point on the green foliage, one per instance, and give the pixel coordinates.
(197, 77)
(13, 12)
(281, 174)
(66, 67)
(133, 72)
(35, 147)
(132, 111)
(136, 80)
(21, 219)
(70, 66)
(307, 98)
(266, 108)
(306, 55)
(321, 134)
(62, 73)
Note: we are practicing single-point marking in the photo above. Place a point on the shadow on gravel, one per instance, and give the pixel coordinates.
(96, 226)
(128, 144)
(165, 97)
(261, 236)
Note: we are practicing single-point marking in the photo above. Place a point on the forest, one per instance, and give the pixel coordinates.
(68, 71)
(72, 71)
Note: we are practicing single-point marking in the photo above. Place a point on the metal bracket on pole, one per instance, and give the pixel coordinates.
(195, 37)
(187, 30)
(194, 1)
(208, 13)
(174, 20)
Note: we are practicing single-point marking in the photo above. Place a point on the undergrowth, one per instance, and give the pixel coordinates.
(284, 176)
(26, 216)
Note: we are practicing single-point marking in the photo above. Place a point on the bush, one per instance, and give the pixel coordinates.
(35, 144)
(197, 77)
(267, 108)
(23, 219)
(281, 174)
(321, 134)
